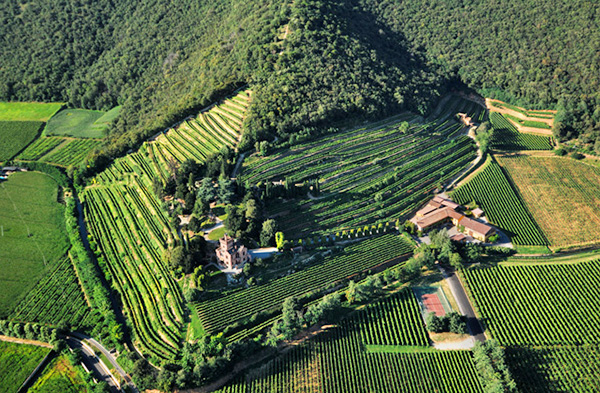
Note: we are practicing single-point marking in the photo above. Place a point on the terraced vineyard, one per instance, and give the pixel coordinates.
(491, 189)
(562, 194)
(402, 161)
(507, 137)
(59, 151)
(221, 311)
(127, 223)
(199, 137)
(339, 360)
(539, 304)
(57, 297)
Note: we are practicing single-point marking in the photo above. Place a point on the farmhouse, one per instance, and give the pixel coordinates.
(231, 253)
(440, 211)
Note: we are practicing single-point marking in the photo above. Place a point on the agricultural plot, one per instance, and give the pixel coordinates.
(128, 225)
(15, 136)
(32, 234)
(71, 152)
(562, 194)
(59, 376)
(17, 361)
(39, 148)
(367, 175)
(539, 305)
(57, 297)
(555, 369)
(220, 311)
(507, 137)
(80, 123)
(28, 111)
(342, 361)
(199, 137)
(491, 189)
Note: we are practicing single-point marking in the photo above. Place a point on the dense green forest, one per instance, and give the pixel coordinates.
(308, 62)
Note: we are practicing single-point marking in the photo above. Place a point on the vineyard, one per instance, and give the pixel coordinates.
(539, 304)
(368, 175)
(132, 231)
(507, 137)
(558, 369)
(562, 194)
(17, 361)
(59, 150)
(59, 376)
(57, 297)
(491, 189)
(15, 136)
(221, 311)
(338, 360)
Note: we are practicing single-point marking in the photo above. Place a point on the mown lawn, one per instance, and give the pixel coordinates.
(79, 123)
(28, 111)
(32, 234)
(15, 136)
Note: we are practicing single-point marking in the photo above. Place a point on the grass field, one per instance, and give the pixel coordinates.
(32, 234)
(382, 348)
(17, 361)
(59, 376)
(562, 194)
(491, 189)
(378, 173)
(28, 111)
(80, 123)
(15, 136)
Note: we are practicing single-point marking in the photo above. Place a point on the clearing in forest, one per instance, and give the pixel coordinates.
(562, 194)
(534, 121)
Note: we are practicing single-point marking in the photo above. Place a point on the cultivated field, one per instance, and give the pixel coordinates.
(15, 136)
(507, 137)
(562, 194)
(59, 376)
(381, 349)
(80, 123)
(491, 189)
(375, 174)
(32, 234)
(61, 151)
(17, 361)
(222, 310)
(28, 111)
(57, 297)
(551, 304)
(533, 121)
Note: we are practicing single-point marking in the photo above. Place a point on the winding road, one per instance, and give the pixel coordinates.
(464, 305)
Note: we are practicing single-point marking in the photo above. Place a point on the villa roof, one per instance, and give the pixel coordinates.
(475, 226)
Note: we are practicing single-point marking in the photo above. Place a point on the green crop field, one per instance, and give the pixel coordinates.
(28, 111)
(222, 310)
(71, 152)
(32, 234)
(555, 369)
(340, 361)
(492, 190)
(39, 148)
(17, 361)
(529, 123)
(80, 123)
(552, 304)
(57, 297)
(374, 174)
(59, 376)
(507, 137)
(15, 136)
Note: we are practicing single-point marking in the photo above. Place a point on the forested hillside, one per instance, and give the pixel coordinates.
(310, 63)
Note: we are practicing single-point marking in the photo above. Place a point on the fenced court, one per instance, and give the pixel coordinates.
(432, 299)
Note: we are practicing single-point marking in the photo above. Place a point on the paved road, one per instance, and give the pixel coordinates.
(109, 356)
(464, 305)
(93, 363)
